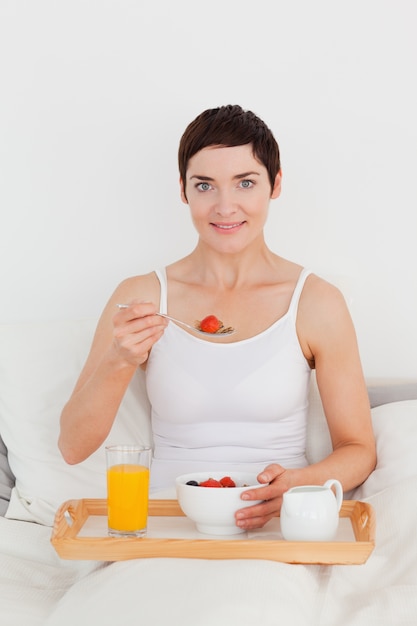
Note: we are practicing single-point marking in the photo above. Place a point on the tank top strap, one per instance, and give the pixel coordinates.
(163, 298)
(292, 310)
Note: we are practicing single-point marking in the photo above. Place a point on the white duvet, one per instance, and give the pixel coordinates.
(38, 588)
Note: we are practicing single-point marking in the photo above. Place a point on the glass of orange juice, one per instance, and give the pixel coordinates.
(127, 490)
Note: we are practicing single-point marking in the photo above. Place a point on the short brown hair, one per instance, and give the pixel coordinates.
(229, 126)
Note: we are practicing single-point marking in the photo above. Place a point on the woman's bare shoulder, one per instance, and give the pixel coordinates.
(319, 292)
(143, 287)
(323, 316)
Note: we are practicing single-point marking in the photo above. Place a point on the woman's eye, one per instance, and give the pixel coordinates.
(246, 184)
(203, 186)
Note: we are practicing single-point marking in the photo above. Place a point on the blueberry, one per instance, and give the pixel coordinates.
(193, 483)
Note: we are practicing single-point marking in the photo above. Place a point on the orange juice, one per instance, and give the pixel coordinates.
(127, 497)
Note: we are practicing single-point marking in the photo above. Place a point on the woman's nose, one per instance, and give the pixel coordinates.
(225, 204)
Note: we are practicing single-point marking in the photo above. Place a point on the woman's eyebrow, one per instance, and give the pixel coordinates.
(246, 174)
(201, 177)
(237, 177)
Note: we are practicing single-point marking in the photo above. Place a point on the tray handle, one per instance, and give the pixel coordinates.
(365, 522)
(65, 518)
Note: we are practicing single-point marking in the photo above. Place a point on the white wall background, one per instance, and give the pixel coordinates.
(95, 95)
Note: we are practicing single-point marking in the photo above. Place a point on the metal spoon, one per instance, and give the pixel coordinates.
(223, 332)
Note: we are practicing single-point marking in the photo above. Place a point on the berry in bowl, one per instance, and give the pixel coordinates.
(211, 499)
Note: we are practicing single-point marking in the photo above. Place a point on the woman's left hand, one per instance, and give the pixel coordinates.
(277, 481)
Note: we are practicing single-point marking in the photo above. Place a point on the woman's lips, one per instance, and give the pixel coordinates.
(227, 227)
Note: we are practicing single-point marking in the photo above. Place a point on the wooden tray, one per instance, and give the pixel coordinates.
(71, 542)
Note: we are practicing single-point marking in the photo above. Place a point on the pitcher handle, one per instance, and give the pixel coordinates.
(332, 482)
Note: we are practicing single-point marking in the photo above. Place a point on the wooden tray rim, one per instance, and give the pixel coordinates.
(72, 515)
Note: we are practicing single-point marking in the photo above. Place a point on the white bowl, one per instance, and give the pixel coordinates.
(212, 508)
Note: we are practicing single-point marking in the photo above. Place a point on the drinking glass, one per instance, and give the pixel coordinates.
(127, 489)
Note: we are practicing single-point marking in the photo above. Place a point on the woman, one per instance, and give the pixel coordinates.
(239, 400)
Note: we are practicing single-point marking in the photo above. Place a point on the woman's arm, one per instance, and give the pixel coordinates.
(122, 342)
(328, 340)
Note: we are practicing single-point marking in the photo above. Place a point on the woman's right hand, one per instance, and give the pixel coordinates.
(135, 330)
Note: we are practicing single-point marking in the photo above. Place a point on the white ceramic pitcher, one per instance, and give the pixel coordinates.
(311, 512)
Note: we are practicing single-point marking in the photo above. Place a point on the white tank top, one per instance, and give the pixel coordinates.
(234, 406)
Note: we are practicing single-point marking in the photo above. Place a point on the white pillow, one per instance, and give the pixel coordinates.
(39, 365)
(395, 428)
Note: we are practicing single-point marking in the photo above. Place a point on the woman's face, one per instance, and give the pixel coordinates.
(228, 192)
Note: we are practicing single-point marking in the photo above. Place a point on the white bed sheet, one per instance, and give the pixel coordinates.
(38, 588)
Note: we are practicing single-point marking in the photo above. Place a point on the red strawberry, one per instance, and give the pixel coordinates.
(226, 481)
(210, 324)
(211, 482)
